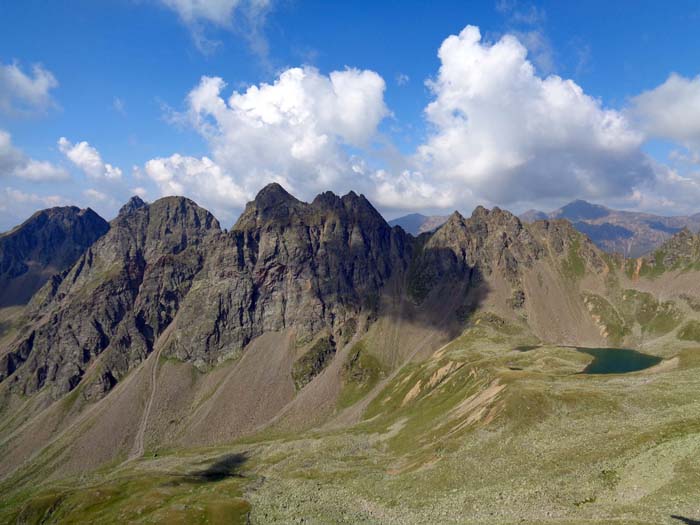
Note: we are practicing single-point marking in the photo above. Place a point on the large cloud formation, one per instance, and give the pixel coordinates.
(671, 111)
(507, 135)
(498, 133)
(295, 131)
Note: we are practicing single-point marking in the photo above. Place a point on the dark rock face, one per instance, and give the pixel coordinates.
(286, 263)
(496, 244)
(117, 298)
(49, 242)
(471, 248)
(318, 268)
(313, 362)
(289, 264)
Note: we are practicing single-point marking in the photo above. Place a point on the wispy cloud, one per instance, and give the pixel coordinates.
(25, 93)
(246, 18)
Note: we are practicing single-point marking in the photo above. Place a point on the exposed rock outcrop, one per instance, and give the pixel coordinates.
(117, 298)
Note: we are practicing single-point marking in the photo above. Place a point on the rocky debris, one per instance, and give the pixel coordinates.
(49, 242)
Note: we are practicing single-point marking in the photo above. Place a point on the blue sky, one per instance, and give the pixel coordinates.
(123, 76)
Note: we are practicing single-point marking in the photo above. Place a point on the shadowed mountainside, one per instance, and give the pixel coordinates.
(47, 243)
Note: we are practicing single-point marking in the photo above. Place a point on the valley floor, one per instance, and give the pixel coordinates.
(488, 430)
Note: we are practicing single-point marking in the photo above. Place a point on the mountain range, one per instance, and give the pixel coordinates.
(632, 234)
(315, 363)
(417, 223)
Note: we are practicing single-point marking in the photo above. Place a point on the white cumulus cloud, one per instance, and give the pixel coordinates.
(671, 111)
(504, 134)
(88, 159)
(22, 93)
(201, 179)
(295, 131)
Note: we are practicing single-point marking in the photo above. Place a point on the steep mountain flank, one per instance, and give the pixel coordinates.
(308, 319)
(679, 253)
(513, 269)
(49, 242)
(117, 298)
(289, 264)
(286, 263)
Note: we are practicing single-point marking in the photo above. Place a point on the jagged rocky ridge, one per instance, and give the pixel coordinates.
(166, 276)
(114, 302)
(317, 266)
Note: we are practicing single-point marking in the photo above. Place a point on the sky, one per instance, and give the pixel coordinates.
(422, 106)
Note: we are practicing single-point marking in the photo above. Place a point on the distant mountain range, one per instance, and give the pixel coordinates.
(417, 223)
(630, 233)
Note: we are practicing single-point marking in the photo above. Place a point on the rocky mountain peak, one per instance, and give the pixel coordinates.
(272, 205)
(48, 242)
(682, 249)
(133, 204)
(581, 210)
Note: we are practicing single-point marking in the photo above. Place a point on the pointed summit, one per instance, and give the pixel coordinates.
(49, 242)
(272, 204)
(273, 194)
(581, 210)
(133, 204)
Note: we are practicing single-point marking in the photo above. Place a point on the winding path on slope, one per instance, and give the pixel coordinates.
(139, 440)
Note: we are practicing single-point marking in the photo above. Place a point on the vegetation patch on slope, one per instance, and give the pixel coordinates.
(361, 372)
(574, 265)
(607, 317)
(313, 361)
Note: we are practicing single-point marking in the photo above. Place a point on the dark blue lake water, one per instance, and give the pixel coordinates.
(617, 360)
